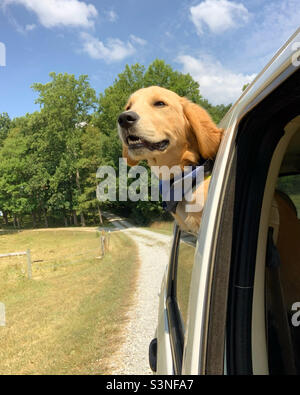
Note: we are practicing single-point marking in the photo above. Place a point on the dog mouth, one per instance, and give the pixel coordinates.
(135, 142)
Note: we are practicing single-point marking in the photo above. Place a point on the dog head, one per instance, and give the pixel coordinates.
(166, 129)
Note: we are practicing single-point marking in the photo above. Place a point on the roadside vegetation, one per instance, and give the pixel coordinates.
(163, 227)
(68, 319)
(49, 159)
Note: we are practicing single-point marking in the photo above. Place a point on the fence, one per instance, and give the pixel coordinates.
(29, 269)
(104, 242)
(104, 248)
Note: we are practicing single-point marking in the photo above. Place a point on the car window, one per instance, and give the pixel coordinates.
(178, 290)
(283, 281)
(185, 262)
(290, 185)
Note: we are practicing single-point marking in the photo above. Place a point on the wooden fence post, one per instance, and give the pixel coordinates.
(108, 240)
(102, 241)
(29, 270)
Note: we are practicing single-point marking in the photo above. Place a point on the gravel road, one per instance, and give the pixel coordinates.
(154, 248)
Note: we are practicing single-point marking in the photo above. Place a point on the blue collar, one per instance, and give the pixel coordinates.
(174, 188)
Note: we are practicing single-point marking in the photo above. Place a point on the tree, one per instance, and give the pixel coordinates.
(161, 74)
(14, 175)
(5, 124)
(91, 159)
(66, 104)
(245, 87)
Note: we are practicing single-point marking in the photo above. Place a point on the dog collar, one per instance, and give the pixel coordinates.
(175, 193)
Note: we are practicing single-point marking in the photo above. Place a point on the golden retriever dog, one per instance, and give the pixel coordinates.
(168, 130)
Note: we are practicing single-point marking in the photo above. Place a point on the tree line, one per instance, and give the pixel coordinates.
(49, 158)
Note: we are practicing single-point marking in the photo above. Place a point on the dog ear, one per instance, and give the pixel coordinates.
(125, 155)
(207, 134)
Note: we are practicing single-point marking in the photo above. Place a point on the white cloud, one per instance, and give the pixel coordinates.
(276, 23)
(137, 40)
(219, 15)
(53, 13)
(217, 84)
(114, 50)
(29, 28)
(112, 16)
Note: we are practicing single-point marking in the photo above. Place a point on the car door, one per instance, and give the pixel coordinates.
(237, 333)
(227, 330)
(224, 330)
(166, 350)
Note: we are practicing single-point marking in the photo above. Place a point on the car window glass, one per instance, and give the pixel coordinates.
(283, 281)
(290, 185)
(185, 262)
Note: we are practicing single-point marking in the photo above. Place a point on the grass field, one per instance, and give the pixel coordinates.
(68, 318)
(163, 227)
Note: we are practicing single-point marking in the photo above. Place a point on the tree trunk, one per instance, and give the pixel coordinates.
(82, 219)
(75, 219)
(39, 217)
(5, 217)
(100, 216)
(18, 222)
(66, 221)
(45, 218)
(15, 224)
(33, 219)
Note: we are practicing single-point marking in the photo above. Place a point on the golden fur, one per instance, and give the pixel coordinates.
(191, 133)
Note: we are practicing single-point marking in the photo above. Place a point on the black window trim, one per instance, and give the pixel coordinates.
(173, 314)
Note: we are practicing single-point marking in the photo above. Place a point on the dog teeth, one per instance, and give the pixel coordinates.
(139, 141)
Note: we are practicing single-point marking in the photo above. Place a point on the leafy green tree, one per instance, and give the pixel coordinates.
(161, 74)
(14, 175)
(66, 105)
(91, 159)
(245, 87)
(5, 124)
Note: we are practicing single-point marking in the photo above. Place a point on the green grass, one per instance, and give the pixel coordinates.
(163, 227)
(68, 319)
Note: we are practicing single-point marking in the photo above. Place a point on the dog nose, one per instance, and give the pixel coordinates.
(127, 119)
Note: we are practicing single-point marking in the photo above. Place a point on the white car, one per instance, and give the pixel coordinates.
(230, 298)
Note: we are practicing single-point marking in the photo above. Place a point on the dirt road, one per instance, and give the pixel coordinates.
(154, 248)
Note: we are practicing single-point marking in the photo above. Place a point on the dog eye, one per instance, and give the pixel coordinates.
(159, 104)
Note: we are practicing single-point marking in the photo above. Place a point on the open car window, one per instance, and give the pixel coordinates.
(283, 281)
(290, 186)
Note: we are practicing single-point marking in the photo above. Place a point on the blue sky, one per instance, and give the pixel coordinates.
(223, 44)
